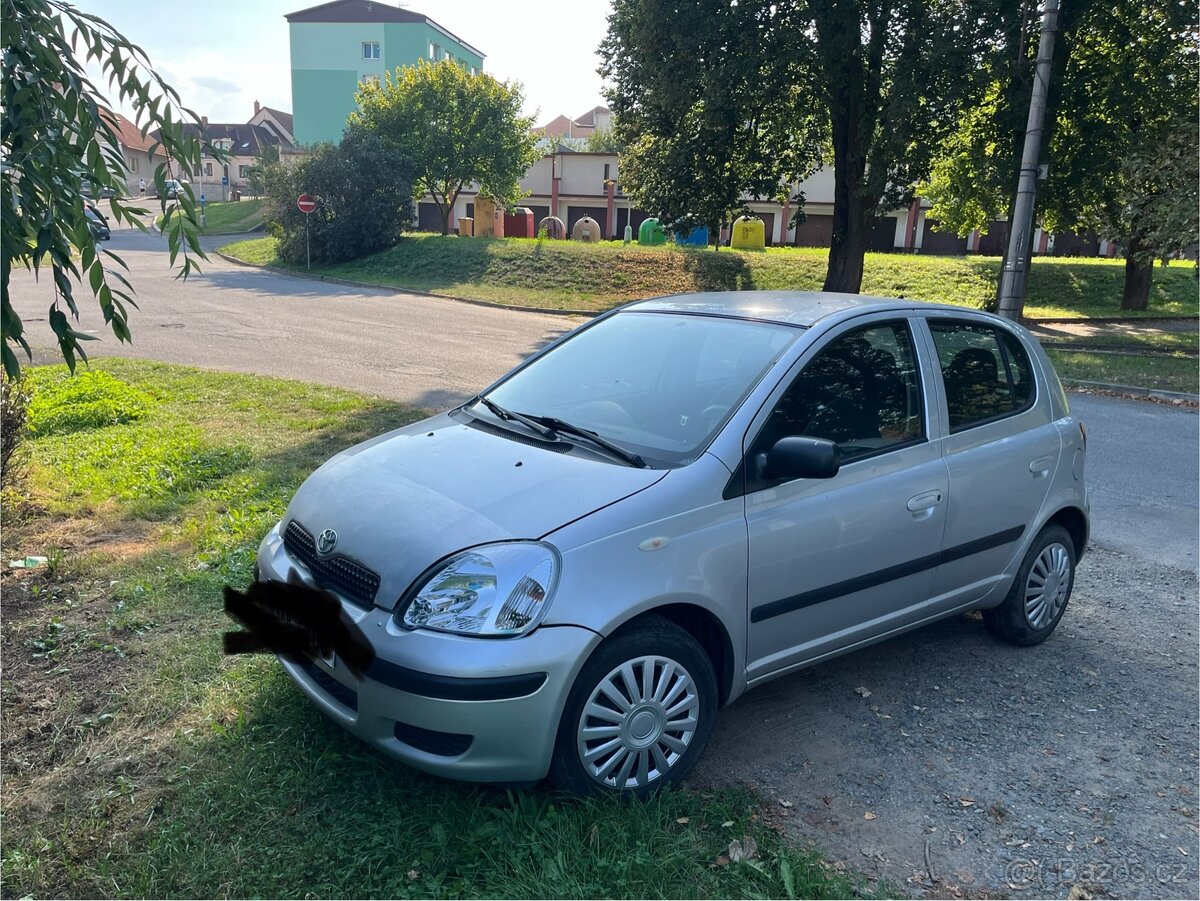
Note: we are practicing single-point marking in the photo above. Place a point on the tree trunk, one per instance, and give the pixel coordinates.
(851, 219)
(445, 218)
(1138, 276)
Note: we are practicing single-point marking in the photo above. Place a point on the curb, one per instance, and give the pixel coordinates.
(1128, 320)
(1119, 350)
(589, 314)
(1133, 391)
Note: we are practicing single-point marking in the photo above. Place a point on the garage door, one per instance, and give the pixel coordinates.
(428, 218)
(814, 231)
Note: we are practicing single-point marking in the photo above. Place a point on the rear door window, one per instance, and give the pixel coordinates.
(985, 371)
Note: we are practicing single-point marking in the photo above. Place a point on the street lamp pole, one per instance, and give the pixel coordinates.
(1016, 263)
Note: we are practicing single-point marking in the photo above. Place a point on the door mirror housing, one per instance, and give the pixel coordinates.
(799, 457)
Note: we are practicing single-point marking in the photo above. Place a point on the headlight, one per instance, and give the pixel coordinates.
(492, 590)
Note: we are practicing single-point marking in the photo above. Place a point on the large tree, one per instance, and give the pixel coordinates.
(457, 128)
(1123, 155)
(884, 79)
(1120, 114)
(708, 102)
(895, 77)
(60, 146)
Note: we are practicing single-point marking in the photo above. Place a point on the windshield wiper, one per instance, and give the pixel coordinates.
(509, 416)
(560, 425)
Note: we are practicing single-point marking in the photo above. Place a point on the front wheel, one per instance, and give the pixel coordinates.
(1039, 594)
(639, 714)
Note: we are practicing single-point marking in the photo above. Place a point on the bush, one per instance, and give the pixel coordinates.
(363, 189)
(13, 407)
(90, 400)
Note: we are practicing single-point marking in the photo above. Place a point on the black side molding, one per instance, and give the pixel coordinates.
(882, 576)
(454, 688)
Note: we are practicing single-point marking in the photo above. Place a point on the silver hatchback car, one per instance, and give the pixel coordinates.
(672, 504)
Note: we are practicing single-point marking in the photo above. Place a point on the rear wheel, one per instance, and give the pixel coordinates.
(639, 714)
(1039, 594)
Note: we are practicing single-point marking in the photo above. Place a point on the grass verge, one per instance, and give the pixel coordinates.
(1179, 373)
(140, 761)
(231, 217)
(571, 275)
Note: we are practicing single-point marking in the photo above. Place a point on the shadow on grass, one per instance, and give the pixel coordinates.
(283, 803)
(717, 271)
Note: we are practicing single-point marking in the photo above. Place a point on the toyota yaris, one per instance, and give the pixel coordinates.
(567, 575)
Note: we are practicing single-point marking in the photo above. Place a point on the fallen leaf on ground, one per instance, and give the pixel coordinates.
(746, 849)
(1078, 893)
(966, 802)
(413, 875)
(863, 692)
(783, 803)
(727, 824)
(682, 821)
(870, 816)
(722, 860)
(826, 800)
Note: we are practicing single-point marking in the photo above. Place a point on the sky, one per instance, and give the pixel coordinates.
(222, 55)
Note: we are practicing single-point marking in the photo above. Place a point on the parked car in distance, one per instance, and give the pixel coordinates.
(97, 223)
(89, 190)
(676, 502)
(174, 187)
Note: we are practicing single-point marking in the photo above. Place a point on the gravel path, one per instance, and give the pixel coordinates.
(1026, 771)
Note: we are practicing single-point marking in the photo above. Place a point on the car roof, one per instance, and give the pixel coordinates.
(798, 308)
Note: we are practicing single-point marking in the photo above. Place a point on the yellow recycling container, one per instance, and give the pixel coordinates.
(748, 233)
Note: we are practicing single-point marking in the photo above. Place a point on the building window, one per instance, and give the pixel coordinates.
(371, 50)
(242, 171)
(371, 79)
(208, 169)
(435, 52)
(133, 164)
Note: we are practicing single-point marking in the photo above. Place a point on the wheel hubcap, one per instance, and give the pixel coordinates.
(1047, 587)
(638, 722)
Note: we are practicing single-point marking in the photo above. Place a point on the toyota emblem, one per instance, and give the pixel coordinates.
(327, 541)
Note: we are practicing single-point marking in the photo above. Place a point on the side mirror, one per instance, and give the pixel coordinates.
(799, 457)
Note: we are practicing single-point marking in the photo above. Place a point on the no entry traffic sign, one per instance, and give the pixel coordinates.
(306, 203)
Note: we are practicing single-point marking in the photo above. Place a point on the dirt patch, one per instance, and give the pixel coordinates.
(71, 746)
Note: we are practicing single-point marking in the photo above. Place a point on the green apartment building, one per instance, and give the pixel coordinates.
(336, 45)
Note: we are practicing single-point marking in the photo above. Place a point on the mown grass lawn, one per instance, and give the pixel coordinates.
(1176, 373)
(141, 761)
(231, 217)
(571, 275)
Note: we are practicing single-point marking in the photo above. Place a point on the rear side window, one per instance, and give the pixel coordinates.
(985, 370)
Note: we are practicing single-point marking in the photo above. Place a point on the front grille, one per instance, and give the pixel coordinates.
(444, 744)
(337, 573)
(347, 697)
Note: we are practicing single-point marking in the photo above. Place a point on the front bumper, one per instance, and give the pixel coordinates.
(484, 710)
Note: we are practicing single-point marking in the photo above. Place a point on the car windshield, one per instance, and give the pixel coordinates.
(658, 384)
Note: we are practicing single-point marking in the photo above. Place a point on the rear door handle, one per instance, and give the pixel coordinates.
(1041, 465)
(926, 500)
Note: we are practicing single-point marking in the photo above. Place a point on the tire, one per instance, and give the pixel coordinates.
(638, 745)
(1030, 611)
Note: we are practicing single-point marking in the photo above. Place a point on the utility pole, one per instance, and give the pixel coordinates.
(1016, 264)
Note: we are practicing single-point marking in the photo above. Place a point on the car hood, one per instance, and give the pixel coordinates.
(405, 500)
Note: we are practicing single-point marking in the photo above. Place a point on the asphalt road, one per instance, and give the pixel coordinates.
(420, 350)
(970, 766)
